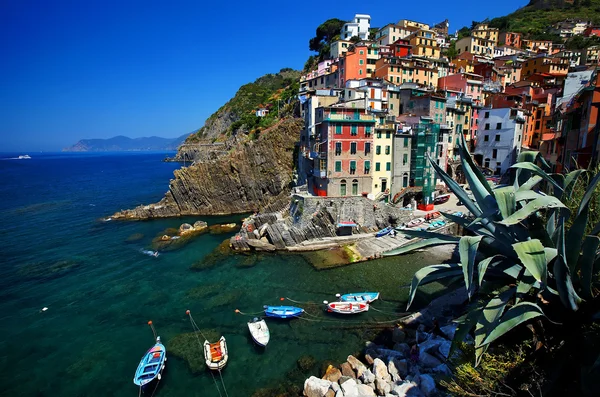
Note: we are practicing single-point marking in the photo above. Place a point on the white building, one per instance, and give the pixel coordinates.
(359, 26)
(499, 137)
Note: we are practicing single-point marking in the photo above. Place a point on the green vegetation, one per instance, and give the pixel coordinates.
(522, 261)
(325, 34)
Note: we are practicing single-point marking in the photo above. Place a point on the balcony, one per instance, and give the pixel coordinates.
(351, 118)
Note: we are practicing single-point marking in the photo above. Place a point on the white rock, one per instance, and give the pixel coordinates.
(365, 390)
(393, 371)
(427, 385)
(339, 393)
(315, 387)
(380, 370)
(382, 387)
(356, 365)
(367, 377)
(408, 389)
(349, 388)
(335, 386)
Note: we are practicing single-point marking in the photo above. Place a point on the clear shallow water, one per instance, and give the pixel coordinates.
(101, 289)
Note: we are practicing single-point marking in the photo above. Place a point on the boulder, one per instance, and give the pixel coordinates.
(406, 389)
(403, 348)
(428, 361)
(339, 393)
(365, 391)
(397, 369)
(356, 365)
(369, 357)
(444, 348)
(442, 369)
(345, 378)
(430, 345)
(398, 336)
(347, 371)
(388, 353)
(449, 330)
(260, 245)
(315, 387)
(427, 385)
(349, 388)
(380, 370)
(185, 228)
(367, 377)
(335, 386)
(382, 387)
(330, 393)
(332, 374)
(199, 225)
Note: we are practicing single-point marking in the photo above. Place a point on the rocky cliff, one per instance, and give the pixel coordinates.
(256, 173)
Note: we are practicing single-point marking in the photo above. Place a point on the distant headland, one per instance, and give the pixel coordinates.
(123, 143)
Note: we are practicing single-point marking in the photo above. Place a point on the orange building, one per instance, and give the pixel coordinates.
(511, 39)
(543, 64)
(353, 65)
(401, 70)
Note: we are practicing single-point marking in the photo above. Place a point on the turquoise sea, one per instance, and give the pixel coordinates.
(101, 289)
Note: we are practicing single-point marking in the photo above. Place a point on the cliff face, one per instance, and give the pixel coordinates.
(254, 174)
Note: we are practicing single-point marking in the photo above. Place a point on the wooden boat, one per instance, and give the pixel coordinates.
(367, 297)
(347, 307)
(384, 232)
(283, 311)
(259, 331)
(151, 365)
(432, 215)
(215, 354)
(415, 222)
(441, 199)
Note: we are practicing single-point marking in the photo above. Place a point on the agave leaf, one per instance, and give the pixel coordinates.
(456, 189)
(551, 223)
(466, 158)
(488, 320)
(484, 264)
(586, 264)
(522, 195)
(430, 274)
(588, 193)
(550, 254)
(519, 313)
(506, 199)
(524, 285)
(538, 171)
(574, 237)
(527, 156)
(467, 248)
(532, 255)
(465, 222)
(531, 182)
(571, 181)
(532, 207)
(466, 323)
(596, 229)
(427, 234)
(419, 244)
(482, 192)
(564, 284)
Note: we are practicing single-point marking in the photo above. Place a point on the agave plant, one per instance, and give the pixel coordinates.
(520, 249)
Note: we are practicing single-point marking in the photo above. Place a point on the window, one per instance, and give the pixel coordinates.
(338, 166)
(499, 126)
(367, 166)
(405, 180)
(486, 138)
(494, 153)
(378, 134)
(367, 147)
(354, 130)
(338, 129)
(388, 166)
(353, 148)
(387, 150)
(343, 187)
(359, 71)
(338, 148)
(497, 138)
(405, 142)
(360, 61)
(355, 187)
(388, 135)
(377, 167)
(353, 167)
(368, 130)
(405, 159)
(487, 126)
(537, 125)
(377, 149)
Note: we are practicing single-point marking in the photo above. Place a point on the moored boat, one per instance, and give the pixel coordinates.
(259, 331)
(215, 354)
(347, 307)
(441, 199)
(283, 311)
(367, 297)
(152, 363)
(415, 222)
(432, 215)
(384, 232)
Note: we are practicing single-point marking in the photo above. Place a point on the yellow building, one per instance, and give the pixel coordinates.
(405, 23)
(424, 43)
(400, 70)
(542, 64)
(483, 31)
(338, 48)
(476, 45)
(382, 156)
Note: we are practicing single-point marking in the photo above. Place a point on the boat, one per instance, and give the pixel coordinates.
(384, 232)
(152, 363)
(24, 157)
(441, 199)
(415, 222)
(215, 354)
(283, 311)
(347, 307)
(432, 215)
(367, 297)
(259, 331)
(458, 213)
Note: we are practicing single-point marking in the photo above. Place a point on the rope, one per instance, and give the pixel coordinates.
(223, 383)
(196, 331)
(390, 313)
(304, 303)
(248, 314)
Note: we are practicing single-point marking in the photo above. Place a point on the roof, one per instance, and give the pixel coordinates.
(574, 83)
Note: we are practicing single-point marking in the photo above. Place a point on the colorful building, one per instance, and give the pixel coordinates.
(544, 64)
(359, 27)
(382, 156)
(403, 70)
(469, 84)
(483, 31)
(476, 45)
(424, 43)
(339, 48)
(510, 39)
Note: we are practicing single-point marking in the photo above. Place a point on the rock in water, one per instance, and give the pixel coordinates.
(315, 387)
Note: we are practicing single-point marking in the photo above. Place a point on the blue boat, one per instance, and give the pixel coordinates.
(384, 232)
(367, 297)
(283, 311)
(151, 365)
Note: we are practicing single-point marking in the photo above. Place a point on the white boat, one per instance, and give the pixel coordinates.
(259, 331)
(24, 157)
(347, 307)
(215, 354)
(415, 222)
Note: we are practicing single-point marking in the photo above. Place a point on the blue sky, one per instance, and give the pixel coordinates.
(95, 69)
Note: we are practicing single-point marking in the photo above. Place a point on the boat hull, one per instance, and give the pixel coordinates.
(151, 365)
(367, 297)
(347, 307)
(216, 354)
(283, 311)
(260, 332)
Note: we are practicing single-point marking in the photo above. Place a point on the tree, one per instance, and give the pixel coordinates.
(451, 52)
(325, 32)
(355, 39)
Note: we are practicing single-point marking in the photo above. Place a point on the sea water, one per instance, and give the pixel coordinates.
(100, 288)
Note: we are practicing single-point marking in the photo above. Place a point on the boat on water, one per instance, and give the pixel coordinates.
(152, 363)
(415, 222)
(384, 232)
(347, 307)
(24, 157)
(441, 199)
(367, 297)
(215, 354)
(283, 311)
(259, 331)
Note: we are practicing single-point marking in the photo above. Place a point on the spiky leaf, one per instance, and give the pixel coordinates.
(420, 244)
(531, 182)
(532, 255)
(571, 181)
(586, 264)
(506, 199)
(484, 264)
(539, 172)
(564, 284)
(514, 316)
(531, 207)
(430, 274)
(467, 248)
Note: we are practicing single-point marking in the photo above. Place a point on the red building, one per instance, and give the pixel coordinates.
(592, 31)
(401, 48)
(344, 151)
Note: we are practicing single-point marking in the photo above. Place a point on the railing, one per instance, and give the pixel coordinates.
(349, 117)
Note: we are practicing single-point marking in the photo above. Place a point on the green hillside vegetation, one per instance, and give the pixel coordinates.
(266, 91)
(534, 19)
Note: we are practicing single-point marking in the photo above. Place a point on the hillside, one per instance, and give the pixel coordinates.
(123, 143)
(238, 114)
(534, 19)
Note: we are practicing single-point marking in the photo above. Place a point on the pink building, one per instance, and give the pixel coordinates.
(469, 84)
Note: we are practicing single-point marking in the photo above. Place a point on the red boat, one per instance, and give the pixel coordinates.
(347, 307)
(441, 199)
(432, 215)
